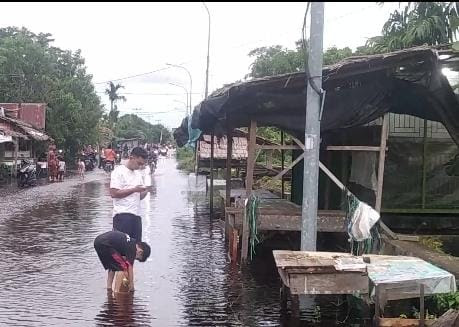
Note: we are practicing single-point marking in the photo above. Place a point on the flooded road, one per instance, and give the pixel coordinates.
(51, 275)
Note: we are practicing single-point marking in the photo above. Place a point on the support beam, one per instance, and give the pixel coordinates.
(424, 166)
(277, 147)
(352, 148)
(269, 159)
(283, 172)
(211, 175)
(229, 155)
(382, 159)
(282, 165)
(16, 151)
(249, 184)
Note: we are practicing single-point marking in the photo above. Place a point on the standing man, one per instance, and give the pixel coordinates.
(127, 189)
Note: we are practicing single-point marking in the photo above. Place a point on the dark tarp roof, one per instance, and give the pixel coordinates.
(358, 91)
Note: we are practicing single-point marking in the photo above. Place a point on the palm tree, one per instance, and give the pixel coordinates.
(112, 92)
(419, 23)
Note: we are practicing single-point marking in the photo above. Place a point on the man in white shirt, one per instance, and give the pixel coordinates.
(127, 189)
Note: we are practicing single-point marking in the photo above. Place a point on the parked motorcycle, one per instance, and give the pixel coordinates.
(27, 174)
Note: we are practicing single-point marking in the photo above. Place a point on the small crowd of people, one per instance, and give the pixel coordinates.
(56, 165)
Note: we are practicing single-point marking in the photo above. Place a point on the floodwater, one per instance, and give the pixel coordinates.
(50, 274)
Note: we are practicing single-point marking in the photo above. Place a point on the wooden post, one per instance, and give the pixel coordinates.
(16, 150)
(269, 159)
(421, 307)
(327, 182)
(249, 183)
(382, 159)
(196, 159)
(377, 307)
(424, 166)
(229, 156)
(282, 164)
(211, 175)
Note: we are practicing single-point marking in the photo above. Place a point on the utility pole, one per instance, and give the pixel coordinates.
(312, 130)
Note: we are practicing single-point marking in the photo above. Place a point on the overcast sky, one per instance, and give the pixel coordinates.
(124, 39)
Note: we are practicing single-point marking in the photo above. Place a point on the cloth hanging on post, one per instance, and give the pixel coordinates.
(363, 169)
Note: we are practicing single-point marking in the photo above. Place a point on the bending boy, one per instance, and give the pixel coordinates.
(117, 252)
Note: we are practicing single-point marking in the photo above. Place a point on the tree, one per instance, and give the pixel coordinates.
(113, 96)
(32, 70)
(419, 23)
(275, 60)
(132, 126)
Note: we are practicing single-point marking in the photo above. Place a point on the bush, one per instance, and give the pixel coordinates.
(186, 158)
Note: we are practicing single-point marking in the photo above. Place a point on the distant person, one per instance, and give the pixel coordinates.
(117, 252)
(110, 155)
(81, 168)
(102, 158)
(61, 169)
(53, 163)
(126, 190)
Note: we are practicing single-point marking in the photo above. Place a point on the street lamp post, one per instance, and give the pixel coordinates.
(191, 81)
(186, 92)
(208, 50)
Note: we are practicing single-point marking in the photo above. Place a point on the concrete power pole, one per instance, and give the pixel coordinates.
(312, 130)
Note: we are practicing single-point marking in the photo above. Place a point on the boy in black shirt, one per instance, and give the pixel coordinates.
(117, 252)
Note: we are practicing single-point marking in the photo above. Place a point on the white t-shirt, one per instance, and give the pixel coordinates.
(61, 165)
(123, 178)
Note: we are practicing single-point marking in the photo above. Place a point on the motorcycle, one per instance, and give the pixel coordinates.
(89, 162)
(27, 174)
(109, 166)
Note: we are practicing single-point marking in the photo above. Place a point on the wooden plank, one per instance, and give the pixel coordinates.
(299, 259)
(402, 322)
(340, 283)
(382, 159)
(249, 184)
(277, 147)
(352, 148)
(329, 223)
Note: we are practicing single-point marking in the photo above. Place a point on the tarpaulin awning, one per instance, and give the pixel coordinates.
(358, 91)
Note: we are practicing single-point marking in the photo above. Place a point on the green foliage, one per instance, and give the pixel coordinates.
(185, 158)
(418, 23)
(275, 60)
(132, 126)
(447, 301)
(334, 55)
(32, 70)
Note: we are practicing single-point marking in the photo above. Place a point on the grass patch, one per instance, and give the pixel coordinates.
(432, 243)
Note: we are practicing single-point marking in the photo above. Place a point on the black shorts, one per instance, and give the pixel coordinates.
(110, 259)
(128, 223)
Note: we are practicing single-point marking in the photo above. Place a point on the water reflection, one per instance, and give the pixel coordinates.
(123, 309)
